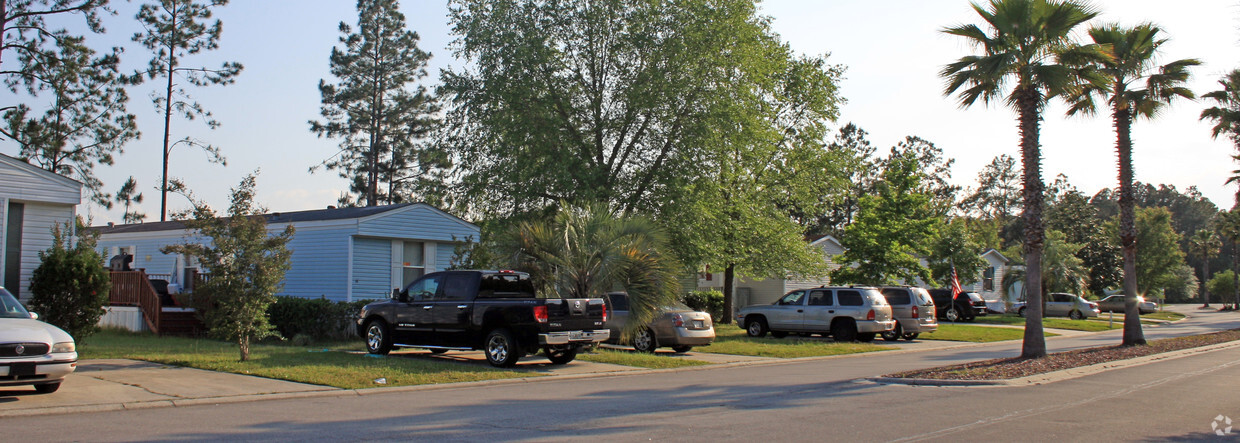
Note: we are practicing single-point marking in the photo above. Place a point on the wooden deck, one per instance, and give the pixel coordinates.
(134, 288)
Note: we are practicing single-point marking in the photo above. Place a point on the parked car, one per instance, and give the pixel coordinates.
(1115, 303)
(1059, 304)
(497, 312)
(677, 326)
(32, 352)
(845, 313)
(913, 309)
(966, 307)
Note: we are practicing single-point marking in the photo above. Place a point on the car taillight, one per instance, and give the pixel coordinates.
(870, 316)
(678, 320)
(604, 311)
(540, 313)
(915, 312)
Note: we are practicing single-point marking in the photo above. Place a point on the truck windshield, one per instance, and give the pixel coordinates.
(505, 286)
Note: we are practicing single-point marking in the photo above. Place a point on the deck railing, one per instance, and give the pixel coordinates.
(133, 288)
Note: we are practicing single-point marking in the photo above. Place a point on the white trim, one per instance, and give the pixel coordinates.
(455, 219)
(348, 291)
(4, 235)
(397, 266)
(430, 257)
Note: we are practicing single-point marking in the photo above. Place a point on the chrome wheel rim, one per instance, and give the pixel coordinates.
(754, 328)
(497, 348)
(374, 337)
(642, 341)
(953, 315)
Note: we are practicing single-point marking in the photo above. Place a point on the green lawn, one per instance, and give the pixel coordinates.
(730, 339)
(344, 366)
(975, 334)
(1049, 322)
(638, 359)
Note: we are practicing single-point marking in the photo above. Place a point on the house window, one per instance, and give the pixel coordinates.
(413, 263)
(988, 279)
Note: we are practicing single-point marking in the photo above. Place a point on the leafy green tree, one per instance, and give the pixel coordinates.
(1205, 244)
(859, 168)
(1071, 213)
(70, 287)
(74, 117)
(997, 196)
(953, 246)
(1028, 44)
(381, 118)
(129, 196)
(1159, 257)
(893, 229)
(1130, 61)
(176, 29)
(1228, 223)
(1182, 286)
(1063, 270)
(1222, 282)
(246, 264)
(586, 252)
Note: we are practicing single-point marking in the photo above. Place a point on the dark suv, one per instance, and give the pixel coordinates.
(966, 307)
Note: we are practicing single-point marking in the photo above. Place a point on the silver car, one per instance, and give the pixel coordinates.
(846, 313)
(1059, 304)
(678, 326)
(1115, 303)
(32, 352)
(913, 309)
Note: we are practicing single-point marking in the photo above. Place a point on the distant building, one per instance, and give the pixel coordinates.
(32, 201)
(340, 254)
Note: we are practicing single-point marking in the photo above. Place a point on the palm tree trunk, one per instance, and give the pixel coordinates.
(1235, 272)
(1034, 345)
(729, 292)
(1133, 335)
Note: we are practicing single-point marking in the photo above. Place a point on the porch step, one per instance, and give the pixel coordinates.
(180, 323)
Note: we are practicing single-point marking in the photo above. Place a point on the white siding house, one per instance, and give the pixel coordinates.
(32, 201)
(341, 254)
(766, 291)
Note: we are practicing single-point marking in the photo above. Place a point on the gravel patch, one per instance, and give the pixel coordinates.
(1010, 368)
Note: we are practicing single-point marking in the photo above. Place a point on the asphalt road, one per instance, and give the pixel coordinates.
(804, 400)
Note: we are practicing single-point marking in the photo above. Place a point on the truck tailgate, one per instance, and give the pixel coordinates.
(575, 314)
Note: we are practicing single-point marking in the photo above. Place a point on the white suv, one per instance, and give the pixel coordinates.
(846, 313)
(32, 352)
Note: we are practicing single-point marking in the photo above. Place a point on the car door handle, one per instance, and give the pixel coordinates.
(427, 307)
(830, 312)
(800, 310)
(462, 306)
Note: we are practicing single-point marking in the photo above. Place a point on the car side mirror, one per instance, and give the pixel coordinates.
(34, 316)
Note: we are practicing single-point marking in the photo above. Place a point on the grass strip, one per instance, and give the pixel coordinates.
(638, 359)
(730, 339)
(975, 334)
(344, 365)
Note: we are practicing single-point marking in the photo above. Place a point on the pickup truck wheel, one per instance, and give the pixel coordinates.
(756, 328)
(378, 337)
(644, 341)
(911, 335)
(844, 331)
(1021, 312)
(501, 348)
(682, 349)
(893, 334)
(967, 314)
(953, 314)
(560, 356)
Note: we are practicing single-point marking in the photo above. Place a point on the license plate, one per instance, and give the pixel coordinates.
(576, 335)
(698, 324)
(20, 369)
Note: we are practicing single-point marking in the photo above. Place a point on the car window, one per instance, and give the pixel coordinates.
(793, 298)
(897, 296)
(10, 307)
(1062, 298)
(509, 285)
(876, 298)
(923, 297)
(619, 301)
(425, 288)
(850, 297)
(456, 286)
(820, 298)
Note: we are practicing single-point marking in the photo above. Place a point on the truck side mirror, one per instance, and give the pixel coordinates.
(399, 295)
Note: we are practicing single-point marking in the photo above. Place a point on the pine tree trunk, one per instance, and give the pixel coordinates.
(1028, 98)
(172, 59)
(1133, 335)
(729, 292)
(244, 343)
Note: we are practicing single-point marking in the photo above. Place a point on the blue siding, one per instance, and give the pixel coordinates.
(372, 268)
(146, 251)
(418, 222)
(319, 266)
(443, 255)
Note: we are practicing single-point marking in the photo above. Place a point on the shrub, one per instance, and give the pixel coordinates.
(70, 287)
(1222, 287)
(317, 318)
(710, 302)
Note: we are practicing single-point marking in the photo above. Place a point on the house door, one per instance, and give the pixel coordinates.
(13, 249)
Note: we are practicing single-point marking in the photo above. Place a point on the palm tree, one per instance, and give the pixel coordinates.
(1027, 46)
(1226, 115)
(1206, 244)
(586, 252)
(1130, 55)
(1228, 223)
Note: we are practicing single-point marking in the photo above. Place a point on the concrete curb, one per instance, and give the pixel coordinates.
(1066, 374)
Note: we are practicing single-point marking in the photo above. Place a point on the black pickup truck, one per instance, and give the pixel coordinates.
(497, 312)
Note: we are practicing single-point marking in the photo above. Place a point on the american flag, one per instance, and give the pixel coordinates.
(956, 290)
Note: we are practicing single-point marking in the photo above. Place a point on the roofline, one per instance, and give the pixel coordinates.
(40, 171)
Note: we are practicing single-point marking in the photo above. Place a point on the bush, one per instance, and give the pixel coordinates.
(710, 302)
(317, 318)
(1222, 287)
(70, 287)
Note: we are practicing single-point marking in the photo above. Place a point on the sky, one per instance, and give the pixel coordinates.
(893, 51)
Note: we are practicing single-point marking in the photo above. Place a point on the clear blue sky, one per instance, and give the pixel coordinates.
(893, 50)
